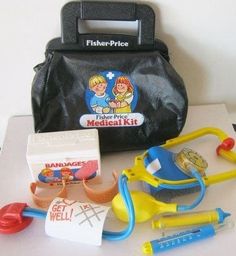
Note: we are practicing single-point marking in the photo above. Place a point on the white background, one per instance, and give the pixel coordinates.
(201, 36)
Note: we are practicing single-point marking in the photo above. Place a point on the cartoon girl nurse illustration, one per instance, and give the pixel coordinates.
(100, 100)
(124, 94)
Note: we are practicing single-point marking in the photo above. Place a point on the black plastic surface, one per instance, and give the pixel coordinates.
(74, 11)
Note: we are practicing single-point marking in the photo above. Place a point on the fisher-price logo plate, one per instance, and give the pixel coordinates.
(111, 98)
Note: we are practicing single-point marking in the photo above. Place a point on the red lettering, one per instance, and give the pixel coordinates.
(90, 122)
(59, 216)
(126, 122)
(86, 206)
(65, 164)
(53, 216)
(130, 122)
(106, 123)
(58, 208)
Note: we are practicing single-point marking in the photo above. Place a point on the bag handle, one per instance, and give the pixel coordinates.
(119, 11)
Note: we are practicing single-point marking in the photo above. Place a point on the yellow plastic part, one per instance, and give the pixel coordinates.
(147, 248)
(186, 219)
(216, 178)
(145, 207)
(228, 155)
(139, 173)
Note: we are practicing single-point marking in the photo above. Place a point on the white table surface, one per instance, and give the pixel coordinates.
(15, 179)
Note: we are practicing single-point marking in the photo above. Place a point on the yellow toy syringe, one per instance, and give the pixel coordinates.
(216, 216)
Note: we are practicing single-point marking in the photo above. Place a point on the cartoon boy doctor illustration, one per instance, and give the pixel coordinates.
(100, 101)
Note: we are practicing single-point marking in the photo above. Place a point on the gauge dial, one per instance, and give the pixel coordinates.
(188, 158)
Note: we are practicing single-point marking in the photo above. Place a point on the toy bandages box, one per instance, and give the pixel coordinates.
(71, 156)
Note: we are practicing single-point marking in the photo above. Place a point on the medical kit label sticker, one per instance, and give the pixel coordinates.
(112, 120)
(111, 98)
(76, 221)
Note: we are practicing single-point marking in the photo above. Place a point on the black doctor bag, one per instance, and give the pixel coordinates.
(122, 85)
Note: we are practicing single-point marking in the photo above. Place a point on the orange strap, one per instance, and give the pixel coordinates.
(102, 196)
(44, 202)
(105, 195)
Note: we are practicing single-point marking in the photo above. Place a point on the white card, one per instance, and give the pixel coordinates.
(154, 166)
(75, 221)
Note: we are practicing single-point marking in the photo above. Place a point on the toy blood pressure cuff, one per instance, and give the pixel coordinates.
(122, 85)
(170, 166)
